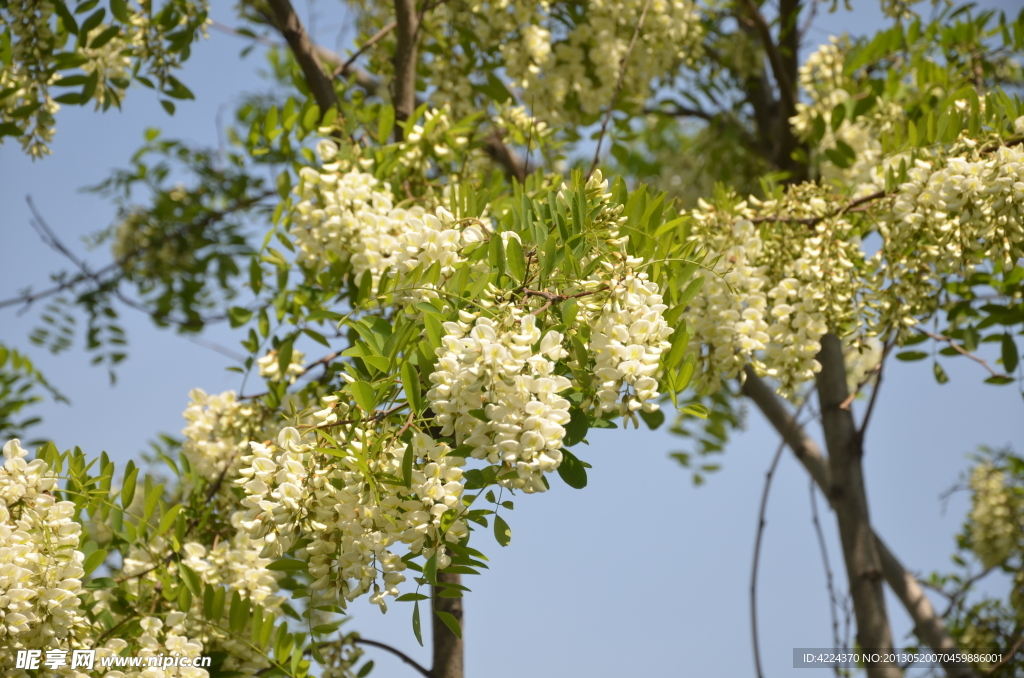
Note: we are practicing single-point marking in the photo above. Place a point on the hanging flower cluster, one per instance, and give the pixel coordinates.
(40, 564)
(498, 394)
(218, 432)
(555, 64)
(270, 366)
(350, 218)
(353, 520)
(628, 334)
(826, 86)
(994, 511)
(949, 217)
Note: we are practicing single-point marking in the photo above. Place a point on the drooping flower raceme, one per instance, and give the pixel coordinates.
(494, 392)
(354, 521)
(40, 564)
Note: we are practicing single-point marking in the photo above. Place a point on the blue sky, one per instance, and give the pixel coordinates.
(640, 573)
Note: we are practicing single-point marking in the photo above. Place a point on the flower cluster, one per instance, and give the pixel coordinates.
(270, 366)
(826, 85)
(728, 316)
(994, 521)
(160, 637)
(951, 215)
(580, 63)
(350, 218)
(218, 432)
(40, 564)
(628, 335)
(39, 49)
(353, 521)
(779, 287)
(493, 390)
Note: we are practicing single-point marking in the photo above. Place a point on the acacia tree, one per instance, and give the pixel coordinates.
(479, 314)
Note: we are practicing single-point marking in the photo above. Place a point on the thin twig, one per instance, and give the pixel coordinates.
(964, 352)
(618, 88)
(362, 50)
(761, 522)
(398, 653)
(829, 582)
(874, 392)
(1009, 655)
(28, 298)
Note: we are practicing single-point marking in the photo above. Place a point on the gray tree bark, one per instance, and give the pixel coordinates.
(448, 648)
(928, 625)
(848, 498)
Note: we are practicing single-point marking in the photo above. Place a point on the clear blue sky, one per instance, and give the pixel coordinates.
(640, 574)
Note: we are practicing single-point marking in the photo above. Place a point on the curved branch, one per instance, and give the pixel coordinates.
(398, 653)
(927, 623)
(283, 17)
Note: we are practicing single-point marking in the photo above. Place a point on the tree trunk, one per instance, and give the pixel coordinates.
(404, 85)
(928, 625)
(849, 499)
(448, 648)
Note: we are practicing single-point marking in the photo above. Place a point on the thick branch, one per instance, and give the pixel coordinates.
(448, 648)
(928, 625)
(286, 21)
(407, 27)
(849, 500)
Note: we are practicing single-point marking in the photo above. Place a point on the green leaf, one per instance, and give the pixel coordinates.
(168, 518)
(407, 465)
(940, 374)
(450, 621)
(386, 123)
(690, 291)
(571, 471)
(128, 490)
(151, 500)
(515, 259)
(365, 670)
(502, 532)
(94, 560)
(416, 623)
(576, 429)
(103, 38)
(168, 106)
(496, 254)
(100, 583)
(363, 394)
(1010, 355)
(287, 565)
(238, 316)
(696, 410)
(410, 597)
(653, 419)
(908, 356)
(430, 569)
(238, 616)
(411, 385)
(190, 579)
(119, 8)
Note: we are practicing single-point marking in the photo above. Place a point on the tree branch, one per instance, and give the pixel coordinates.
(407, 27)
(964, 352)
(829, 581)
(927, 623)
(283, 17)
(398, 653)
(761, 522)
(618, 87)
(448, 647)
